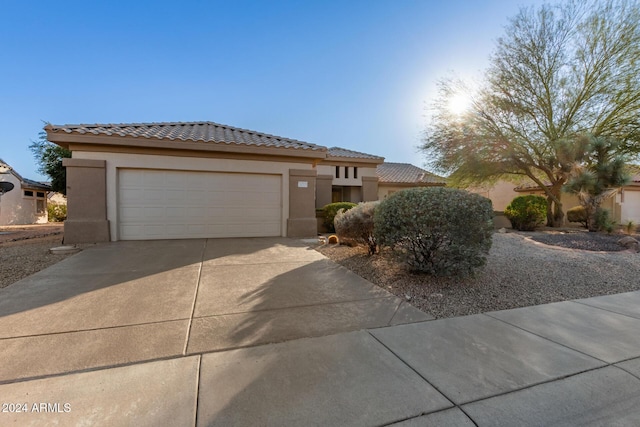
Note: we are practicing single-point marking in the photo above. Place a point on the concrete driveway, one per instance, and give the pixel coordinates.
(269, 332)
(127, 302)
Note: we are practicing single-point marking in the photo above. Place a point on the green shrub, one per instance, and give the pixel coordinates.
(578, 214)
(356, 224)
(56, 212)
(329, 213)
(526, 213)
(603, 221)
(439, 231)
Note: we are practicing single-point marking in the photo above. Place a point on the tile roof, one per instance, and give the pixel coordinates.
(29, 183)
(406, 173)
(207, 132)
(24, 182)
(343, 152)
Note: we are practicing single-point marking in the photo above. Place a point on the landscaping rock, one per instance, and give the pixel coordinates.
(630, 243)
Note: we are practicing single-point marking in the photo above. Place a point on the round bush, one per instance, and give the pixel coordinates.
(356, 225)
(439, 231)
(526, 213)
(329, 213)
(578, 214)
(56, 212)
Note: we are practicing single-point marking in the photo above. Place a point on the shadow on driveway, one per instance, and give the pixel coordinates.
(126, 302)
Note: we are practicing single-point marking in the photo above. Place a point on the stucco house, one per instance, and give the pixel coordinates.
(201, 179)
(394, 177)
(26, 203)
(624, 206)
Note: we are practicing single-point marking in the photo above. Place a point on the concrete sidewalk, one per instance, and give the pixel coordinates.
(567, 363)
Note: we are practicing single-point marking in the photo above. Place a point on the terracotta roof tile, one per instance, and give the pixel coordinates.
(206, 132)
(343, 152)
(406, 173)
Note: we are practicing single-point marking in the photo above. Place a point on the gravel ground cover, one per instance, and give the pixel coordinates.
(581, 240)
(22, 258)
(519, 272)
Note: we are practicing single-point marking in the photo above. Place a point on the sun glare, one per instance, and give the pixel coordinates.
(459, 103)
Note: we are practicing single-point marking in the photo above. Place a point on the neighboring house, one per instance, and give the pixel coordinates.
(57, 198)
(628, 198)
(394, 177)
(194, 180)
(501, 193)
(624, 206)
(26, 203)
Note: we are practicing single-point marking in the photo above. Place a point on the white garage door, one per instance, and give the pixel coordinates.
(631, 206)
(161, 204)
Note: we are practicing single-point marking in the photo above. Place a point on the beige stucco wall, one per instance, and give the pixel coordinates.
(302, 213)
(351, 181)
(370, 188)
(323, 190)
(501, 193)
(15, 208)
(114, 161)
(628, 204)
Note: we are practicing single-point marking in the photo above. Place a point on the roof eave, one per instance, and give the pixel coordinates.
(345, 159)
(65, 139)
(412, 184)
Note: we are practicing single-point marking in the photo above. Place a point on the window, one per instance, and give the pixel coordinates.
(337, 171)
(40, 194)
(346, 172)
(355, 173)
(28, 193)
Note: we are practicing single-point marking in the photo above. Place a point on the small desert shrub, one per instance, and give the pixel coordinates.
(603, 221)
(329, 212)
(578, 214)
(56, 212)
(356, 224)
(526, 213)
(630, 227)
(439, 231)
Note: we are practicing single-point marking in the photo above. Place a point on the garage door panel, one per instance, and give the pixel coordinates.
(155, 204)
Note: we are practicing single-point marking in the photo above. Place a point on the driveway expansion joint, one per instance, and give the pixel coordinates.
(550, 340)
(453, 404)
(195, 298)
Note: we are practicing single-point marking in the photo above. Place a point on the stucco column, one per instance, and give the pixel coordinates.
(302, 195)
(369, 188)
(86, 201)
(324, 183)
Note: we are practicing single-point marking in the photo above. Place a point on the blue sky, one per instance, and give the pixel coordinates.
(355, 74)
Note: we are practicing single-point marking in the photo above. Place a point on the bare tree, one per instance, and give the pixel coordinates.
(558, 73)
